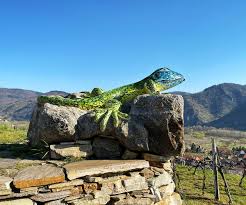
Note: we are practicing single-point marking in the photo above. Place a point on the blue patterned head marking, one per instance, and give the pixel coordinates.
(167, 77)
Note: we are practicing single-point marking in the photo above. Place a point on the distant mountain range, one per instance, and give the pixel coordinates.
(222, 106)
(17, 104)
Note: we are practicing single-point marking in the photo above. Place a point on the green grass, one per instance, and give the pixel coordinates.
(11, 135)
(222, 142)
(13, 142)
(191, 188)
(198, 135)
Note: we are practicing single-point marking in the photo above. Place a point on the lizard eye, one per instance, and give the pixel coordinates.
(157, 75)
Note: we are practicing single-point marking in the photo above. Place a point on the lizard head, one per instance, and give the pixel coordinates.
(164, 78)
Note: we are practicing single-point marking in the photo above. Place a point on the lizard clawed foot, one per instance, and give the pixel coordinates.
(102, 116)
(111, 108)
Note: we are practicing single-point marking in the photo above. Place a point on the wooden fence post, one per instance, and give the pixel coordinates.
(215, 169)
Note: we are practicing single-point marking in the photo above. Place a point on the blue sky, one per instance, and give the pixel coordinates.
(80, 44)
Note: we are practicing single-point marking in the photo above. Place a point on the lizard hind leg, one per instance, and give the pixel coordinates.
(115, 118)
(123, 115)
(104, 121)
(99, 113)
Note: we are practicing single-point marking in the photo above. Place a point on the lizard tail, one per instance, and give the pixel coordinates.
(57, 100)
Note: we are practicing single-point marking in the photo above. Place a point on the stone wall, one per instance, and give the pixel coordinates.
(92, 182)
(124, 165)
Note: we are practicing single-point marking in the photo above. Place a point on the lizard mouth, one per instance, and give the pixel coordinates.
(177, 80)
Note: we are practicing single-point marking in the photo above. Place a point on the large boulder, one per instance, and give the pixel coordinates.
(53, 124)
(155, 125)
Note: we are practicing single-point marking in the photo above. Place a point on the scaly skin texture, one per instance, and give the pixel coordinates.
(106, 104)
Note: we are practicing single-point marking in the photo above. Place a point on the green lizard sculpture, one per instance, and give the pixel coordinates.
(106, 104)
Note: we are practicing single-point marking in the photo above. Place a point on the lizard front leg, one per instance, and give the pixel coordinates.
(111, 108)
(96, 92)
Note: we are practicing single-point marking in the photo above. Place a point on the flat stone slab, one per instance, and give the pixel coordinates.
(38, 176)
(76, 182)
(100, 200)
(17, 202)
(67, 150)
(17, 195)
(167, 190)
(5, 185)
(51, 196)
(161, 180)
(135, 201)
(56, 202)
(126, 185)
(155, 158)
(174, 199)
(94, 167)
(6, 163)
(29, 189)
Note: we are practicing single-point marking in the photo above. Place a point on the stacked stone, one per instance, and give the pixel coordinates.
(98, 148)
(119, 182)
(134, 177)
